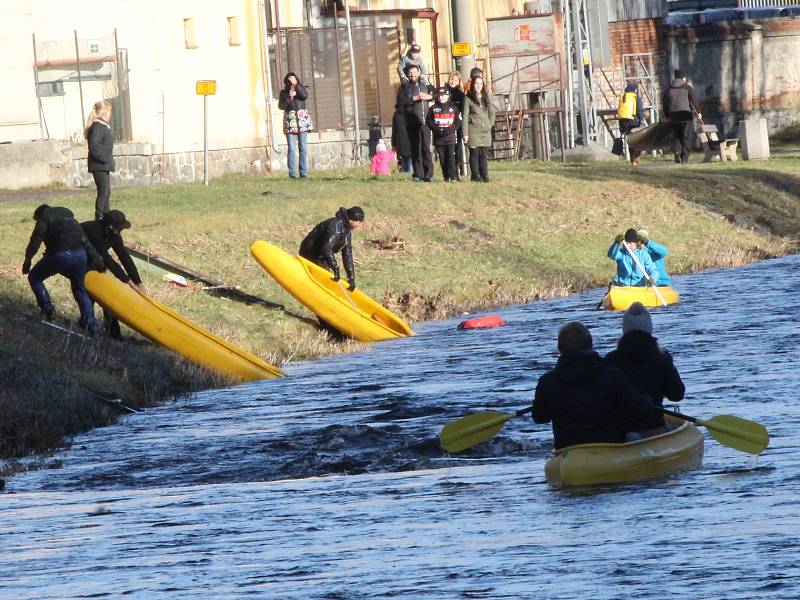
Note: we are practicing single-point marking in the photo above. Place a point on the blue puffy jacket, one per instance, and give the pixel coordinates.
(657, 253)
(627, 271)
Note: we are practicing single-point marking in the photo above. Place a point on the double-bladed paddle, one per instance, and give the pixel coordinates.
(647, 277)
(735, 432)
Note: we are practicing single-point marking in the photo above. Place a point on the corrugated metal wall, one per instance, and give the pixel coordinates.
(629, 10)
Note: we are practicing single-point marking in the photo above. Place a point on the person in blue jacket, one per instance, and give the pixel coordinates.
(628, 273)
(657, 253)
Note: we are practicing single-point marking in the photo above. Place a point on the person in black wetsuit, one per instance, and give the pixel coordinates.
(105, 235)
(327, 239)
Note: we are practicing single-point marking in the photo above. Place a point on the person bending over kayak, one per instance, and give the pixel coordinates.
(104, 235)
(332, 236)
(65, 254)
(657, 254)
(647, 365)
(587, 399)
(628, 273)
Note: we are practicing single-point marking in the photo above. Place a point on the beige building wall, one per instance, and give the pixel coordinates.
(170, 46)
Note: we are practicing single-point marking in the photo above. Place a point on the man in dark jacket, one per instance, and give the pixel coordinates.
(65, 254)
(647, 365)
(333, 236)
(414, 98)
(587, 400)
(679, 102)
(444, 120)
(106, 235)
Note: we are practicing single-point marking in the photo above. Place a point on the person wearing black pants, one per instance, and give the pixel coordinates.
(413, 98)
(444, 120)
(679, 104)
(101, 154)
(478, 122)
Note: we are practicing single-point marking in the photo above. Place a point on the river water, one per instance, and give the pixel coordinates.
(330, 483)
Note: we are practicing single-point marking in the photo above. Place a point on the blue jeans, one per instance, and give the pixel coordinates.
(72, 265)
(295, 139)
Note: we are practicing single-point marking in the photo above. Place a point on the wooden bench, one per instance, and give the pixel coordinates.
(713, 147)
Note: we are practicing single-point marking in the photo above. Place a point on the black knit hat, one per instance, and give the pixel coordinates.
(679, 74)
(631, 236)
(356, 213)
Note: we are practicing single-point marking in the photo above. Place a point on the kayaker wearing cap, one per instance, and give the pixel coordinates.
(412, 57)
(587, 399)
(105, 235)
(649, 366)
(332, 236)
(628, 273)
(443, 120)
(65, 249)
(657, 253)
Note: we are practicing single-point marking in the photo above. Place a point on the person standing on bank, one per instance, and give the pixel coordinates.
(65, 253)
(414, 97)
(630, 115)
(679, 102)
(331, 237)
(477, 124)
(100, 160)
(457, 97)
(105, 235)
(296, 124)
(444, 120)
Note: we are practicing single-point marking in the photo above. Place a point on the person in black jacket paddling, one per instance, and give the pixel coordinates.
(296, 123)
(106, 235)
(647, 365)
(444, 120)
(65, 254)
(587, 400)
(101, 154)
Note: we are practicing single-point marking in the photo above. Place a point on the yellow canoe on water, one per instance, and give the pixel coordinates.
(593, 464)
(164, 326)
(353, 313)
(621, 297)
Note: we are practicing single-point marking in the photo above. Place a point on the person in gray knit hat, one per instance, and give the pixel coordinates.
(649, 366)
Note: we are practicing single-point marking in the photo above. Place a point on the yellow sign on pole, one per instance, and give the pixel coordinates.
(461, 49)
(205, 87)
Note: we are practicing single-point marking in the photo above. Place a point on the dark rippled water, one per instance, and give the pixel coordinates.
(330, 484)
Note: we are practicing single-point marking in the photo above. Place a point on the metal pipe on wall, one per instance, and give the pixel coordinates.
(356, 124)
(263, 29)
(462, 26)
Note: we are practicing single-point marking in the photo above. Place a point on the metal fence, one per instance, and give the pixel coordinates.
(321, 60)
(71, 75)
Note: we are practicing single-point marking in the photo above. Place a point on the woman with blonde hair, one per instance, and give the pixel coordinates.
(101, 154)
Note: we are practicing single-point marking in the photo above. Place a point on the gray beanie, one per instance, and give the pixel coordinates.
(638, 318)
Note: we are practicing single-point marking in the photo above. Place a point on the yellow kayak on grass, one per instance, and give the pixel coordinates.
(620, 297)
(164, 326)
(594, 464)
(353, 313)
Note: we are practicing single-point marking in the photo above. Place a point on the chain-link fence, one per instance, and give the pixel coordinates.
(71, 75)
(321, 60)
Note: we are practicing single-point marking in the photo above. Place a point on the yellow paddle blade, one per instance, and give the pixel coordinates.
(744, 435)
(472, 430)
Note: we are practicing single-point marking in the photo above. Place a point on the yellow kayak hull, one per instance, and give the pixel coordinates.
(353, 313)
(164, 326)
(621, 297)
(595, 464)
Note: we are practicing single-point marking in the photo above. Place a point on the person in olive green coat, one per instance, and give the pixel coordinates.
(478, 121)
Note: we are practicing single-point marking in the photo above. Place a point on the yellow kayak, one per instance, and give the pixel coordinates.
(164, 326)
(353, 313)
(593, 464)
(621, 297)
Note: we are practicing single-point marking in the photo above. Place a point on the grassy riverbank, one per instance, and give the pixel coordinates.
(428, 251)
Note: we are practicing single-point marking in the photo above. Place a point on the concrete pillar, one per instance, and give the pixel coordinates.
(463, 32)
(754, 138)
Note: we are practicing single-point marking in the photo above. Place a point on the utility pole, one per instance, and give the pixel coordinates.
(356, 124)
(461, 11)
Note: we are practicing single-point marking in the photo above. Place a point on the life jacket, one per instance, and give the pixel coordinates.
(627, 106)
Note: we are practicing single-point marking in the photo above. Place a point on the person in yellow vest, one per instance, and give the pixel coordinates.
(630, 115)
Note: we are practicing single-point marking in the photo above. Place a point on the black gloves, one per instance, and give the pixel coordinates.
(619, 238)
(335, 277)
(351, 283)
(26, 267)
